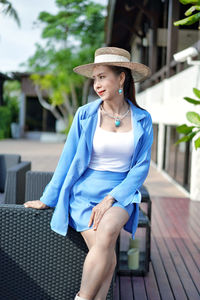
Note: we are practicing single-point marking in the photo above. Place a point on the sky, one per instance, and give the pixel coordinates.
(17, 44)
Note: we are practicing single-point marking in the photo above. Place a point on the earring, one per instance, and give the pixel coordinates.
(120, 91)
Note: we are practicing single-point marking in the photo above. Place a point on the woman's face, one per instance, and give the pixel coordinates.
(106, 82)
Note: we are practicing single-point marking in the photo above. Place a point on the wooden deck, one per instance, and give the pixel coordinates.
(175, 254)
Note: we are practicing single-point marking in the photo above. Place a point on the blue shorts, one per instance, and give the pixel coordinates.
(89, 190)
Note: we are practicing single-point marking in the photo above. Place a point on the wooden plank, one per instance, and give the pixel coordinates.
(190, 220)
(191, 210)
(184, 245)
(173, 244)
(191, 241)
(126, 291)
(190, 237)
(163, 245)
(151, 285)
(139, 291)
(194, 229)
(159, 270)
(194, 210)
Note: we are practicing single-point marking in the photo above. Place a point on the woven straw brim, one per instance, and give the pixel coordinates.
(139, 71)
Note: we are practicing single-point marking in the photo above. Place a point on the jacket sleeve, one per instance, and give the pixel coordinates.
(52, 189)
(128, 190)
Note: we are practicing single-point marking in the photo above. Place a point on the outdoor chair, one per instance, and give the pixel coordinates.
(37, 263)
(12, 178)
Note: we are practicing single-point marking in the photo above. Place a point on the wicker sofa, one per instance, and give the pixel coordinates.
(12, 178)
(37, 263)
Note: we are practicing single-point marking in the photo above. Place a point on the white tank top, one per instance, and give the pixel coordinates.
(112, 151)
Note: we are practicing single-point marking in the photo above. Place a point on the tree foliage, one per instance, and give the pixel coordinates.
(8, 9)
(11, 98)
(72, 35)
(190, 17)
(193, 117)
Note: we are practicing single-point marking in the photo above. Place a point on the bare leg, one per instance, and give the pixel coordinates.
(103, 291)
(94, 285)
(90, 237)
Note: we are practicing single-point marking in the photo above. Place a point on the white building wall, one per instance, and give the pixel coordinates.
(165, 100)
(166, 105)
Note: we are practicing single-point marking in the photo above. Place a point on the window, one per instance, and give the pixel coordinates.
(177, 158)
(154, 149)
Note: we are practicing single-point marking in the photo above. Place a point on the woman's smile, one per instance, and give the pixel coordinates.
(101, 92)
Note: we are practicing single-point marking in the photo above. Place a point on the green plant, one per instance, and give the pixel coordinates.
(194, 118)
(191, 18)
(14, 110)
(11, 96)
(5, 120)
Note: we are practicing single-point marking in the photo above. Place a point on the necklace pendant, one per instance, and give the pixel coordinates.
(117, 122)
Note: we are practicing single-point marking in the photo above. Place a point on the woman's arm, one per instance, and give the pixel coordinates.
(52, 189)
(128, 190)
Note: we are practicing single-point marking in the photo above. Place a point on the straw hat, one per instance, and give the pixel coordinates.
(113, 56)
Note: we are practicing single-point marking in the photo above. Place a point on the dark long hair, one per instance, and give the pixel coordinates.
(129, 85)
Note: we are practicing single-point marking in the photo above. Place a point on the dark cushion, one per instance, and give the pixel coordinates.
(7, 161)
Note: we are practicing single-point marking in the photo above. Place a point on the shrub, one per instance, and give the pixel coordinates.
(5, 120)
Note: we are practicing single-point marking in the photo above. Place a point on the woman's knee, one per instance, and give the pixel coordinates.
(106, 235)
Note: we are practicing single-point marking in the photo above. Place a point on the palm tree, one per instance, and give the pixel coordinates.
(7, 9)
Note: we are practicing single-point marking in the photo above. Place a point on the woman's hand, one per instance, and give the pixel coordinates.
(99, 210)
(36, 204)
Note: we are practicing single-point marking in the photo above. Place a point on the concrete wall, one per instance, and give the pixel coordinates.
(165, 100)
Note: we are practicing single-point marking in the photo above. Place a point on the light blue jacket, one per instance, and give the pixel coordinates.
(75, 158)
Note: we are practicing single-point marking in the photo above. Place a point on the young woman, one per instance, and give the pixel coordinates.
(105, 160)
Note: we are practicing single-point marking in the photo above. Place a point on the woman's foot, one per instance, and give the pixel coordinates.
(79, 298)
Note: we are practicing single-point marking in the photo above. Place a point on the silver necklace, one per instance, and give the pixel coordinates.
(117, 119)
